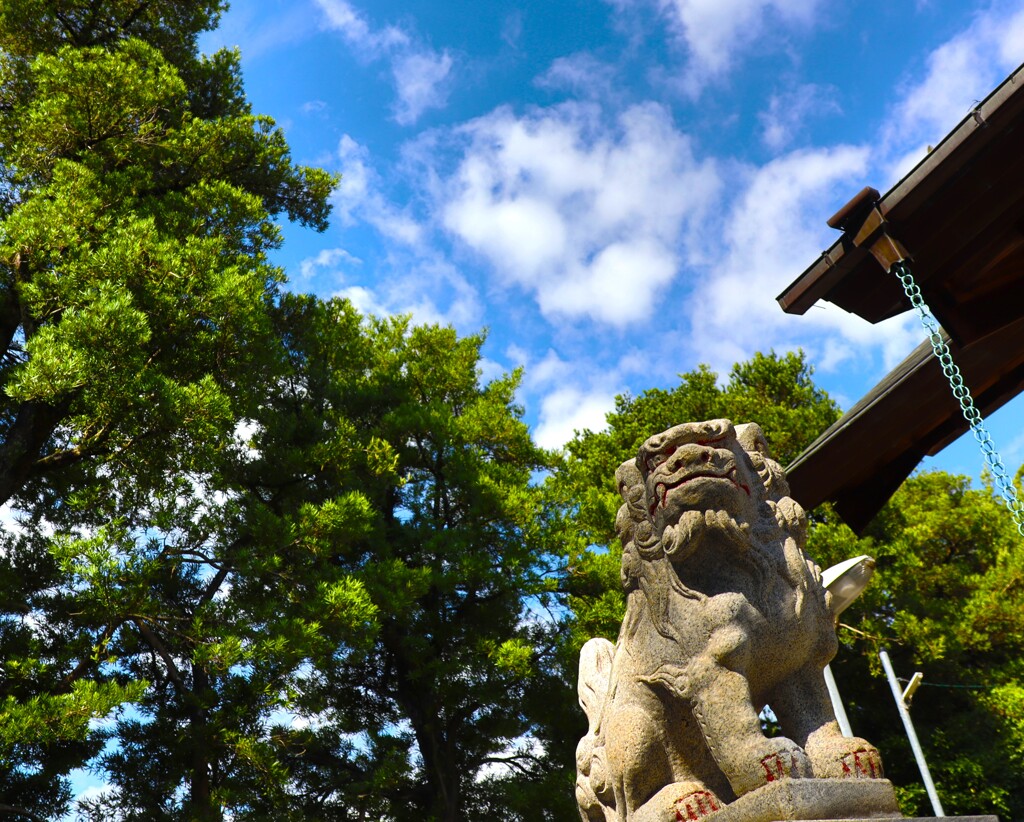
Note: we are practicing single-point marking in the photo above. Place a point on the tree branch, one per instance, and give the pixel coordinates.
(13, 810)
(32, 427)
(157, 645)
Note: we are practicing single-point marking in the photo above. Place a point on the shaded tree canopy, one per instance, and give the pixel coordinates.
(137, 199)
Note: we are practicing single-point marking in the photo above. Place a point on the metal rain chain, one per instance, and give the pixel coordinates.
(973, 416)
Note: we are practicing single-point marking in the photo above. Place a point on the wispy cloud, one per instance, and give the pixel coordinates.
(344, 18)
(429, 289)
(571, 396)
(421, 83)
(421, 75)
(582, 75)
(359, 197)
(257, 36)
(788, 111)
(326, 259)
(590, 220)
(715, 33)
(957, 75)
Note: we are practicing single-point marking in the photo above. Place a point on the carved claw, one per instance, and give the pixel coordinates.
(696, 805)
(784, 759)
(864, 763)
(778, 766)
(840, 757)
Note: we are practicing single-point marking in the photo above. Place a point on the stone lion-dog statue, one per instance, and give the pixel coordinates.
(725, 614)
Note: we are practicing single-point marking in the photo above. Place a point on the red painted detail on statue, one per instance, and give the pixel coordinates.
(768, 762)
(695, 805)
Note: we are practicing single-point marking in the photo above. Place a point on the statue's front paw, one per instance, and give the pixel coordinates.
(785, 763)
(840, 757)
(864, 763)
(779, 758)
(696, 805)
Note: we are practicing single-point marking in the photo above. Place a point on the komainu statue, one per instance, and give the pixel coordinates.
(725, 614)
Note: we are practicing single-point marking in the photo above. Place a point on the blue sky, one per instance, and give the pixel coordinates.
(616, 189)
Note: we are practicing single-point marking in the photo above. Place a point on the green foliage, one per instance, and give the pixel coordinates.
(451, 565)
(945, 600)
(350, 627)
(137, 199)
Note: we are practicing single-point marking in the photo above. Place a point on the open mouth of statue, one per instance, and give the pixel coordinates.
(661, 489)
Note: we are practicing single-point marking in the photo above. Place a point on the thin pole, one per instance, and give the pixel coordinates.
(897, 694)
(837, 703)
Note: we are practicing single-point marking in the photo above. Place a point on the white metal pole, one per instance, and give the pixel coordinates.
(837, 703)
(897, 694)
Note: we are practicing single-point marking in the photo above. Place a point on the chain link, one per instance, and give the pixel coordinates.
(1003, 483)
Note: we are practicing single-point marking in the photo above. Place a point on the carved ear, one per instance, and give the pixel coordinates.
(631, 489)
(752, 438)
(626, 477)
(755, 443)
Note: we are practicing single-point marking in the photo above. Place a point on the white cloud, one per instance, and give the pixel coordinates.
(428, 288)
(959, 73)
(574, 394)
(96, 792)
(421, 75)
(363, 300)
(358, 197)
(11, 521)
(580, 74)
(421, 82)
(590, 219)
(715, 32)
(314, 107)
(550, 370)
(353, 26)
(512, 28)
(326, 259)
(568, 410)
(773, 228)
(490, 370)
(256, 35)
(789, 110)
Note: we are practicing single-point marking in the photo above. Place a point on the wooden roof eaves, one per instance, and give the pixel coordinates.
(935, 169)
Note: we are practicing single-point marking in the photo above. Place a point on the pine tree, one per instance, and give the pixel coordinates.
(137, 198)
